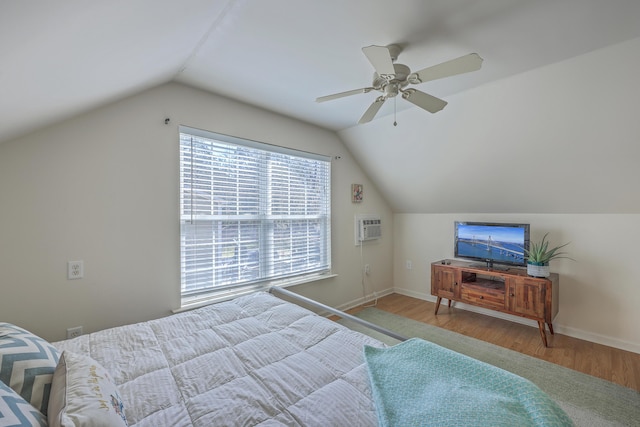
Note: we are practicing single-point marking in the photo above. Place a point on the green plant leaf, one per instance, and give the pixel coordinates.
(540, 253)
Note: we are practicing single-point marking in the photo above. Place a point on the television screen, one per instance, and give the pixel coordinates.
(501, 243)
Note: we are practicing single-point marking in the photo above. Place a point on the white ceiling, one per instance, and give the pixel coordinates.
(60, 58)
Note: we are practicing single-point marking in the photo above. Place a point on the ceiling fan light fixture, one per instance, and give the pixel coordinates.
(390, 90)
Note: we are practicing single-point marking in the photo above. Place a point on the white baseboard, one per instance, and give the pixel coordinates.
(597, 338)
(558, 328)
(365, 300)
(414, 294)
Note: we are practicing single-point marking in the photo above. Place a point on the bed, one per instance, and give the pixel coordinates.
(256, 360)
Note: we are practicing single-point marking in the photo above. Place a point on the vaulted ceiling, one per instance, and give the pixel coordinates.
(58, 59)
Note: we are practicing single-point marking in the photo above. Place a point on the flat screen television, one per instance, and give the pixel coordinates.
(492, 242)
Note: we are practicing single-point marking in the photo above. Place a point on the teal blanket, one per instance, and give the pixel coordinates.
(418, 383)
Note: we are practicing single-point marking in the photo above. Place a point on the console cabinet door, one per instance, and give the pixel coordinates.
(445, 283)
(526, 296)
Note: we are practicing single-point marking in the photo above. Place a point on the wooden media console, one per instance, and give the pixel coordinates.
(510, 291)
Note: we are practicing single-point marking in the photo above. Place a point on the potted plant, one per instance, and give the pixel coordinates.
(538, 256)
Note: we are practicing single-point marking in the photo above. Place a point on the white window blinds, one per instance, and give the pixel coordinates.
(250, 212)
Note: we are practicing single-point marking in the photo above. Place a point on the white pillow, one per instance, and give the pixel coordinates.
(83, 394)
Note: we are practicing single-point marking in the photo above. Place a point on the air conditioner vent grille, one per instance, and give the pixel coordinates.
(367, 228)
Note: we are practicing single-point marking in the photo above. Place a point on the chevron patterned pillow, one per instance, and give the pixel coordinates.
(15, 411)
(27, 363)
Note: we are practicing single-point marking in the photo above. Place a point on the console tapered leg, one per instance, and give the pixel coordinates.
(438, 304)
(542, 333)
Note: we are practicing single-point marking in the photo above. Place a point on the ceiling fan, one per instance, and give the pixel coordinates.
(392, 79)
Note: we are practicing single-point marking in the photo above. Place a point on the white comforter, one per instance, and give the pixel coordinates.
(256, 360)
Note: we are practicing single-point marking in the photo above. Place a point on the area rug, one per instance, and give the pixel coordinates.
(589, 401)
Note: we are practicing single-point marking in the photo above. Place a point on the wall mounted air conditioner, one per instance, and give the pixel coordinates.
(367, 227)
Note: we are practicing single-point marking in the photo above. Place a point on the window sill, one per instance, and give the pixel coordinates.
(229, 294)
(285, 283)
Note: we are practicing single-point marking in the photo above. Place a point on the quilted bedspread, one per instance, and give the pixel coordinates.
(256, 360)
(418, 383)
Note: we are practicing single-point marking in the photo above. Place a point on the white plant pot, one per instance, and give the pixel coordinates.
(538, 270)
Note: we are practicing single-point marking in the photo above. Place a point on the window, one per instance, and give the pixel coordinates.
(250, 213)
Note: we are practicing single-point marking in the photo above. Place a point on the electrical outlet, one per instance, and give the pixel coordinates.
(367, 270)
(75, 270)
(74, 332)
(409, 264)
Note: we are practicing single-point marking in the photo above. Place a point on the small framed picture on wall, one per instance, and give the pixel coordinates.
(356, 193)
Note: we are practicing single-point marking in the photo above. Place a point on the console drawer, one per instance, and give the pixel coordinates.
(490, 298)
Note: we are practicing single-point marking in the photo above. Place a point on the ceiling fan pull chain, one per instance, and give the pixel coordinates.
(395, 123)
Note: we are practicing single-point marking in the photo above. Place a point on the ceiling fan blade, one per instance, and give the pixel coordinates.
(343, 94)
(380, 58)
(464, 64)
(424, 100)
(372, 110)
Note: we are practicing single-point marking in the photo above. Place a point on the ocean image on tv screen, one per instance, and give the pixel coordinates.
(500, 244)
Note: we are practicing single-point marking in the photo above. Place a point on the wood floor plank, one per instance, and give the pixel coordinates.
(615, 365)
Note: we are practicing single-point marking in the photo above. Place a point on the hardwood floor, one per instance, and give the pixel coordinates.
(618, 366)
